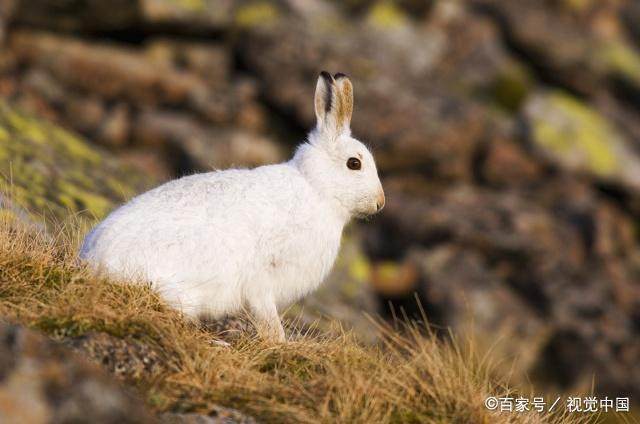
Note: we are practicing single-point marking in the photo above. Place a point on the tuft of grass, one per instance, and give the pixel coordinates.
(411, 377)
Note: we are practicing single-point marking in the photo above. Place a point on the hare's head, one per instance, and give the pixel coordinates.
(338, 165)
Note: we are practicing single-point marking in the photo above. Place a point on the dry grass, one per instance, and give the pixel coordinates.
(410, 378)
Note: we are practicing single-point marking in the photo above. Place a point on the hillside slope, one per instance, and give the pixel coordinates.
(177, 366)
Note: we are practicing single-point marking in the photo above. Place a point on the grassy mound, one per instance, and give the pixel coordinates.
(408, 378)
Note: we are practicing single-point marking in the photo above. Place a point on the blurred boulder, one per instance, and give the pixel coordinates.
(206, 148)
(503, 163)
(41, 381)
(578, 138)
(211, 62)
(110, 72)
(463, 290)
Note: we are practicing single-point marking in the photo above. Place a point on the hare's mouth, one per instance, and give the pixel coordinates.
(367, 214)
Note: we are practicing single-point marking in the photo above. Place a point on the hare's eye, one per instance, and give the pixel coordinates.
(354, 164)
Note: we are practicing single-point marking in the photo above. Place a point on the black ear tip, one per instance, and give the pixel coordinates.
(327, 77)
(340, 75)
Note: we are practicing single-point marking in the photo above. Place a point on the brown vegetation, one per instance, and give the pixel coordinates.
(314, 378)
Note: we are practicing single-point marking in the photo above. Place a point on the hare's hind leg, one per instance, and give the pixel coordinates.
(263, 310)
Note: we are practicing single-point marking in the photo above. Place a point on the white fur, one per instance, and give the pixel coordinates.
(216, 242)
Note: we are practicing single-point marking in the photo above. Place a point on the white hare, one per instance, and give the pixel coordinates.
(217, 242)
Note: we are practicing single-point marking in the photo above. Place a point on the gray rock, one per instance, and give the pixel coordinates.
(42, 381)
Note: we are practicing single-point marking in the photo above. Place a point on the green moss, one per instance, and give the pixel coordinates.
(61, 327)
(77, 199)
(256, 13)
(576, 134)
(68, 326)
(26, 127)
(74, 146)
(4, 134)
(115, 185)
(511, 87)
(386, 14)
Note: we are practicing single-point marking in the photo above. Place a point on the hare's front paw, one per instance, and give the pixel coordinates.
(266, 319)
(273, 333)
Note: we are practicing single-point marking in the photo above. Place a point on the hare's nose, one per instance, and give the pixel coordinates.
(380, 201)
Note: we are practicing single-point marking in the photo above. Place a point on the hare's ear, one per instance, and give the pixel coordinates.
(333, 104)
(324, 98)
(344, 89)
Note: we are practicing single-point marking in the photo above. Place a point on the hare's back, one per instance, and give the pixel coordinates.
(188, 222)
(221, 195)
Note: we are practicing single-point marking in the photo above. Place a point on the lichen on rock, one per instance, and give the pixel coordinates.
(619, 60)
(578, 138)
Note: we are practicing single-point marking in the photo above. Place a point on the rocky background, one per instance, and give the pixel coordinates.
(507, 134)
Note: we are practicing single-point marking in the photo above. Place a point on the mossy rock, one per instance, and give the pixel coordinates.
(620, 60)
(189, 14)
(511, 86)
(53, 173)
(257, 13)
(579, 138)
(387, 14)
